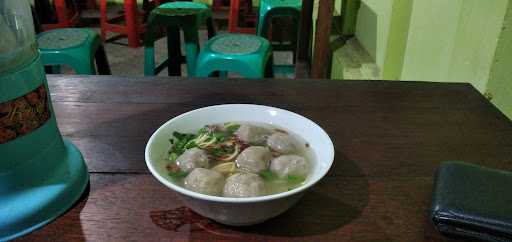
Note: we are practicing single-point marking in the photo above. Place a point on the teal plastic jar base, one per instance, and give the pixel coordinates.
(29, 209)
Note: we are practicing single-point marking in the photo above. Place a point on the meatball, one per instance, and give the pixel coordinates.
(192, 158)
(252, 134)
(244, 185)
(281, 143)
(254, 159)
(289, 165)
(205, 181)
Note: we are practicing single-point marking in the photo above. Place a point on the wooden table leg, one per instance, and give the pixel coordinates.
(320, 62)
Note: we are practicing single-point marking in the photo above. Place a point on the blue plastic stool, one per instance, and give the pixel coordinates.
(175, 16)
(75, 47)
(247, 55)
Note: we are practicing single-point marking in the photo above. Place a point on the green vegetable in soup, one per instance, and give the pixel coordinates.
(173, 156)
(268, 175)
(296, 180)
(231, 127)
(178, 174)
(182, 142)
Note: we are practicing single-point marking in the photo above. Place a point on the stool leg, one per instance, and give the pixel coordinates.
(191, 46)
(269, 68)
(132, 28)
(174, 51)
(263, 25)
(102, 61)
(84, 67)
(149, 60)
(233, 15)
(62, 13)
(210, 27)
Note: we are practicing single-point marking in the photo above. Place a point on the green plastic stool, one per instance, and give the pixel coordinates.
(247, 55)
(274, 8)
(175, 16)
(75, 47)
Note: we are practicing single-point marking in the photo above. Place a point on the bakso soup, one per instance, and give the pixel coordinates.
(238, 159)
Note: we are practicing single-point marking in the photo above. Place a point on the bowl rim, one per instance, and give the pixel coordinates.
(200, 196)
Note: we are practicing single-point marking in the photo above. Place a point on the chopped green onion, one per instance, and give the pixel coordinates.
(294, 182)
(182, 142)
(268, 175)
(173, 156)
(220, 136)
(190, 144)
(231, 127)
(203, 130)
(178, 174)
(296, 179)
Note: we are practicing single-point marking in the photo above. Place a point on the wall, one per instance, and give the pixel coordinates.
(453, 40)
(433, 40)
(499, 87)
(372, 28)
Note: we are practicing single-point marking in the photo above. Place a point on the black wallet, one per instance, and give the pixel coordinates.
(473, 202)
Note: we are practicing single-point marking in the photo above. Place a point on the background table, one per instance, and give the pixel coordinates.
(389, 139)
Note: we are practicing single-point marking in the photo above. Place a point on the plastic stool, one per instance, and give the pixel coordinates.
(133, 22)
(175, 16)
(75, 47)
(274, 8)
(234, 12)
(67, 16)
(247, 55)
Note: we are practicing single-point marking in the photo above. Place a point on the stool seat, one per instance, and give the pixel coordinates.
(76, 47)
(175, 16)
(236, 44)
(247, 55)
(184, 8)
(63, 38)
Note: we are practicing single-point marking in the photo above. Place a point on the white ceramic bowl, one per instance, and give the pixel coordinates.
(240, 211)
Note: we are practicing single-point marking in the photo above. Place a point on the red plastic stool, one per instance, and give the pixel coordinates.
(67, 16)
(234, 14)
(133, 22)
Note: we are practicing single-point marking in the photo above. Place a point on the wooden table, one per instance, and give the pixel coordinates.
(389, 139)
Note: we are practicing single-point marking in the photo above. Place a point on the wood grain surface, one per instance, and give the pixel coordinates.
(389, 139)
